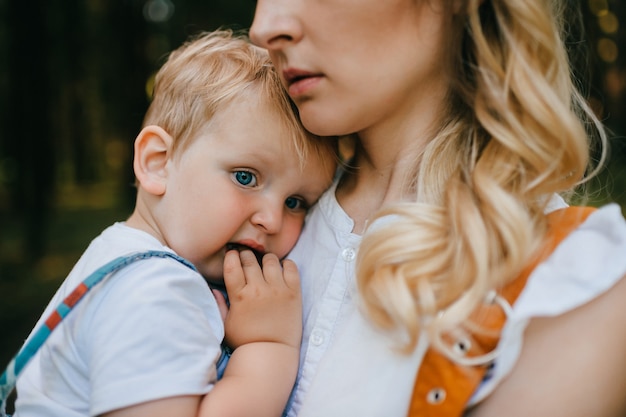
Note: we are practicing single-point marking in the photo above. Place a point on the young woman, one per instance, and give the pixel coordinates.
(468, 131)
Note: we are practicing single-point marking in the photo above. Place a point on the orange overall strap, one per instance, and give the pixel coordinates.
(443, 387)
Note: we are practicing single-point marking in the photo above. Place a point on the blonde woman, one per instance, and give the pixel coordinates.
(468, 130)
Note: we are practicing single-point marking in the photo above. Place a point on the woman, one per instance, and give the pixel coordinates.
(467, 128)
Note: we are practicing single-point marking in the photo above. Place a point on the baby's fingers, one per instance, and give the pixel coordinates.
(272, 271)
(234, 277)
(251, 269)
(291, 275)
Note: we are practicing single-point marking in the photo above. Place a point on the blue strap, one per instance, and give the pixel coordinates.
(26, 353)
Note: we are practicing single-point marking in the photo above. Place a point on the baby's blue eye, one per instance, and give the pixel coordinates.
(246, 178)
(294, 203)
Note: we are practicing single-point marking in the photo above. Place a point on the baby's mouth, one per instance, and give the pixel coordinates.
(239, 247)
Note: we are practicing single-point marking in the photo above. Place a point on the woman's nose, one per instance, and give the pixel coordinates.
(275, 24)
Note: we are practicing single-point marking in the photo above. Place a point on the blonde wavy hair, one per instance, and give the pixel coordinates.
(518, 132)
(210, 70)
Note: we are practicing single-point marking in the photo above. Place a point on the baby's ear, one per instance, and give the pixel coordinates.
(153, 149)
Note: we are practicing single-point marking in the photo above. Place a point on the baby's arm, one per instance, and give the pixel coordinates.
(264, 325)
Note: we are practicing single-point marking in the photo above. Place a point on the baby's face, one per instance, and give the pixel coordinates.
(240, 183)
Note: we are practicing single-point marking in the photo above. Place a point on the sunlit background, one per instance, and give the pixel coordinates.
(74, 77)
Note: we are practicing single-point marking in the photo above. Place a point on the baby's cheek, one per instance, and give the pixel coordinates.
(289, 236)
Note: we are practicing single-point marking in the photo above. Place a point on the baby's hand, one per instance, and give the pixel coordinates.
(265, 305)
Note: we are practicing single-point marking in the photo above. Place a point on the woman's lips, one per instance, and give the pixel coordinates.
(300, 82)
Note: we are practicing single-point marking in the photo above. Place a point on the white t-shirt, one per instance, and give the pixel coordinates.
(150, 331)
(348, 368)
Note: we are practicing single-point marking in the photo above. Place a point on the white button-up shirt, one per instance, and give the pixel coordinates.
(349, 368)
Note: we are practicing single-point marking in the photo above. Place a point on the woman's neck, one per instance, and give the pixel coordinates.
(386, 158)
(369, 184)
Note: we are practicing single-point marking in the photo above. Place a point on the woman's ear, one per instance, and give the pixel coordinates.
(153, 149)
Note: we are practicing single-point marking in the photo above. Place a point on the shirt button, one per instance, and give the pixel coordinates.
(462, 346)
(436, 396)
(348, 254)
(317, 338)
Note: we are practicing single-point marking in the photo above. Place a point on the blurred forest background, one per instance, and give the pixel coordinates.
(74, 77)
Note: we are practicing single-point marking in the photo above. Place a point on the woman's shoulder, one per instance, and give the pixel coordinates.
(567, 310)
(580, 351)
(586, 263)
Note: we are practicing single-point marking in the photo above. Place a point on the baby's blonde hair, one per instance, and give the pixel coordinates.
(515, 136)
(211, 70)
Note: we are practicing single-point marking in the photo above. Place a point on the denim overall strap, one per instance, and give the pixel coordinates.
(26, 353)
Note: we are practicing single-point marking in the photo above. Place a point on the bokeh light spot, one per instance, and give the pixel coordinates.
(158, 11)
(607, 50)
(608, 23)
